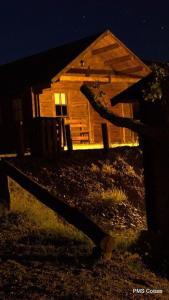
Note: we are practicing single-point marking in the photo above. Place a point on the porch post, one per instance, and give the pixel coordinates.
(4, 192)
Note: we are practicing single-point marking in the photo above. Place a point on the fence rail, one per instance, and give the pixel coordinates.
(48, 136)
(70, 214)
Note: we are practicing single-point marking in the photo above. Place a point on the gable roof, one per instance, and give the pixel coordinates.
(116, 59)
(47, 66)
(41, 67)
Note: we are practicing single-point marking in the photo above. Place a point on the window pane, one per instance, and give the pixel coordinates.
(57, 98)
(64, 110)
(63, 99)
(58, 110)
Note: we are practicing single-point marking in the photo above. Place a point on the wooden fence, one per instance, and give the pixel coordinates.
(49, 136)
(102, 240)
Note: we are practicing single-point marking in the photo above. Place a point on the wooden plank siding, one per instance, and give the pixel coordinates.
(103, 61)
(77, 107)
(84, 122)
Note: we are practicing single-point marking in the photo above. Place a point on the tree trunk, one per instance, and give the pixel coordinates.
(153, 129)
(156, 174)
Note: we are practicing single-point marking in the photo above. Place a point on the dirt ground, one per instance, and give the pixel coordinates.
(81, 179)
(38, 264)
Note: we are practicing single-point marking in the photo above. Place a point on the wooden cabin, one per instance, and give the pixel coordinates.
(48, 85)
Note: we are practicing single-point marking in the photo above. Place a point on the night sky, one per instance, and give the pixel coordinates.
(28, 27)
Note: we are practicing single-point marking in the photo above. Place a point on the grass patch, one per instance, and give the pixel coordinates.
(125, 239)
(38, 214)
(94, 168)
(114, 195)
(108, 169)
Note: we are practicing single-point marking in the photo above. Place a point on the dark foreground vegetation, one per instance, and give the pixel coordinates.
(43, 257)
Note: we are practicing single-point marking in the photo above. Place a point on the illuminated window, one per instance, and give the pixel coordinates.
(60, 104)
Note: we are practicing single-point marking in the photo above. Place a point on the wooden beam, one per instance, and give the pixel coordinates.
(119, 59)
(71, 214)
(88, 71)
(4, 192)
(81, 78)
(130, 70)
(101, 72)
(112, 79)
(105, 49)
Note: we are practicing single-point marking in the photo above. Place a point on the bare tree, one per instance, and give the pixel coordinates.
(153, 130)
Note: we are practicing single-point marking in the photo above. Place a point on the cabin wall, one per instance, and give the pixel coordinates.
(80, 111)
(14, 109)
(116, 134)
(77, 107)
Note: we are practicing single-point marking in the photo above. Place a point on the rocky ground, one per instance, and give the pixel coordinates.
(39, 264)
(107, 187)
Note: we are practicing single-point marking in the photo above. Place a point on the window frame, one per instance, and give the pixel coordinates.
(61, 105)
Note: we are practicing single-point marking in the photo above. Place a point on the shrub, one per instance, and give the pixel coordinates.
(116, 195)
(108, 169)
(94, 168)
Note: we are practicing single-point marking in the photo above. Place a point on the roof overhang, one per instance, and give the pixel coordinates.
(118, 61)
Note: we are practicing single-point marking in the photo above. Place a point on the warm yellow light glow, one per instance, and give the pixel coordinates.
(100, 146)
(63, 99)
(57, 98)
(60, 98)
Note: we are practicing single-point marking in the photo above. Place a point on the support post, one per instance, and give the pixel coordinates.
(68, 138)
(54, 135)
(20, 139)
(43, 142)
(63, 132)
(4, 193)
(49, 138)
(105, 137)
(59, 135)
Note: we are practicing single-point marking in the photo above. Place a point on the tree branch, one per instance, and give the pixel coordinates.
(136, 126)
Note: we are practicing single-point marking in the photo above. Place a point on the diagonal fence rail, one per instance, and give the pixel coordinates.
(101, 239)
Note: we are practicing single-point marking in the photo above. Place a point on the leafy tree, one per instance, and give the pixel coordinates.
(153, 130)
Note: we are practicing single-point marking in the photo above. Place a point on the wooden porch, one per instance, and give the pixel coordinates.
(50, 136)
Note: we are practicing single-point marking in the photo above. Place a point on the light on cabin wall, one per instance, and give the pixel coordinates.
(82, 63)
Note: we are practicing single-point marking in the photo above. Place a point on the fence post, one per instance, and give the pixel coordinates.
(20, 139)
(68, 138)
(4, 192)
(43, 140)
(105, 137)
(63, 132)
(54, 135)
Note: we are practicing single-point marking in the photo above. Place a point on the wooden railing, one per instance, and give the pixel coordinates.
(79, 131)
(70, 139)
(48, 136)
(102, 240)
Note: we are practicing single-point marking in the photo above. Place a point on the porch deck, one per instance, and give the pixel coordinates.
(100, 146)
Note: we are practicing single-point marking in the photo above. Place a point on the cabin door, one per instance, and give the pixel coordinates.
(17, 110)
